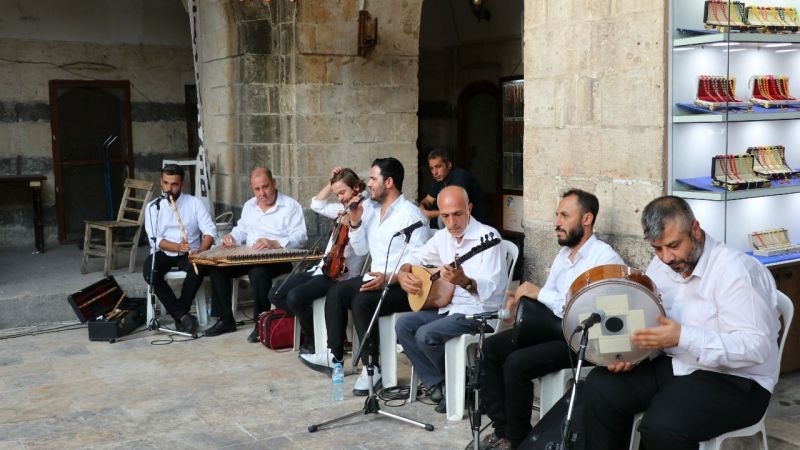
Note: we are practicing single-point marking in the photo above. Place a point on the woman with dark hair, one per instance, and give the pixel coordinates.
(300, 290)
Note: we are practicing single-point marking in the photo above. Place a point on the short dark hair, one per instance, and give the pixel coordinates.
(173, 169)
(662, 209)
(587, 201)
(439, 153)
(391, 168)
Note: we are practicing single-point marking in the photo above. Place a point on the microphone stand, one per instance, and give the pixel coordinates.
(154, 325)
(566, 441)
(371, 405)
(475, 385)
(299, 264)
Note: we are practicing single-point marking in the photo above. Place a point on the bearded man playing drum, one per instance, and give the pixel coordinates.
(509, 366)
(719, 343)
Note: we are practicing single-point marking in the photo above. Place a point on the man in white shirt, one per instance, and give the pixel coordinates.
(374, 234)
(298, 292)
(172, 250)
(719, 341)
(480, 284)
(270, 220)
(509, 368)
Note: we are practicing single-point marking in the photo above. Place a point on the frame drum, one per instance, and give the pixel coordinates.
(626, 299)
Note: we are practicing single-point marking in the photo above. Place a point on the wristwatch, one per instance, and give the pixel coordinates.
(470, 285)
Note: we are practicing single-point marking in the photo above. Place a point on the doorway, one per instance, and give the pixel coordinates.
(92, 151)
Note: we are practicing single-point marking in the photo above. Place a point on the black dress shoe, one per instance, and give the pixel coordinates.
(253, 338)
(221, 327)
(437, 393)
(441, 408)
(188, 323)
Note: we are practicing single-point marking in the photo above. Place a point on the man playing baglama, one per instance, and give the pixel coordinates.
(444, 174)
(480, 284)
(172, 249)
(719, 341)
(373, 234)
(509, 369)
(300, 290)
(270, 220)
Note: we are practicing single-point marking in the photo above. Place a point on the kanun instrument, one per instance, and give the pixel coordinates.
(435, 292)
(626, 299)
(245, 256)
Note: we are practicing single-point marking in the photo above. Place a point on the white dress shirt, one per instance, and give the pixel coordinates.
(375, 234)
(487, 268)
(160, 222)
(283, 222)
(352, 261)
(563, 272)
(728, 313)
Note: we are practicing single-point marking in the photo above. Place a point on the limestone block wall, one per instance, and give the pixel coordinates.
(157, 74)
(595, 74)
(283, 87)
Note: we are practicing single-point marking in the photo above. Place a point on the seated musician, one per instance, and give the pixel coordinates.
(480, 285)
(719, 341)
(270, 220)
(298, 293)
(372, 233)
(509, 369)
(161, 223)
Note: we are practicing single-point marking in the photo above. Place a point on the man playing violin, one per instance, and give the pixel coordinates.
(300, 290)
(270, 220)
(509, 367)
(173, 249)
(719, 342)
(480, 284)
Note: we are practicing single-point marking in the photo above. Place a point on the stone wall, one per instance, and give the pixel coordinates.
(595, 74)
(157, 75)
(283, 87)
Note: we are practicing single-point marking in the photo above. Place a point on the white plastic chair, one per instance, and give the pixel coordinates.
(554, 385)
(455, 353)
(786, 310)
(201, 302)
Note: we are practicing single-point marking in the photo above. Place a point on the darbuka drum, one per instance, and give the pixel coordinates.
(626, 299)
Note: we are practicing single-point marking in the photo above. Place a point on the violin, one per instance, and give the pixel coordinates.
(333, 263)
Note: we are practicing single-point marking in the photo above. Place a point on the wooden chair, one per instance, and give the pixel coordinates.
(130, 216)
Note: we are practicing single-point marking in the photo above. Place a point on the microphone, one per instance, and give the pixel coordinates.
(589, 322)
(157, 200)
(502, 314)
(409, 229)
(365, 194)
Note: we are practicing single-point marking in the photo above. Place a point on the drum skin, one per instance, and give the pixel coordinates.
(625, 298)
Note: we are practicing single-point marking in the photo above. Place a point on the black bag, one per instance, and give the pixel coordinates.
(546, 435)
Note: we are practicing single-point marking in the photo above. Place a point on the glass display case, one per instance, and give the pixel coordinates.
(512, 128)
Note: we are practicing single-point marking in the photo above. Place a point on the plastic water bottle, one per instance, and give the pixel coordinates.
(338, 382)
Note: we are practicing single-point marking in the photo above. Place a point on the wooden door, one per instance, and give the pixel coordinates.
(83, 115)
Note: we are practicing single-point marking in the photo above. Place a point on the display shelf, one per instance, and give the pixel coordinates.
(775, 260)
(700, 188)
(742, 38)
(757, 114)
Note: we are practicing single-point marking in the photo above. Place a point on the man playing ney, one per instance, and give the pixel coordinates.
(480, 284)
(173, 250)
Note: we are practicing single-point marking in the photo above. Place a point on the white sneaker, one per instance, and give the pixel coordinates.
(321, 362)
(361, 387)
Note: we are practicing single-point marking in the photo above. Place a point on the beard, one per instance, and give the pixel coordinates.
(687, 265)
(572, 238)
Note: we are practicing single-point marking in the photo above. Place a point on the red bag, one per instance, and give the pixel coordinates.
(276, 329)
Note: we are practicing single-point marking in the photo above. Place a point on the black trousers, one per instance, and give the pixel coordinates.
(680, 411)
(177, 307)
(298, 294)
(346, 295)
(508, 371)
(260, 283)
